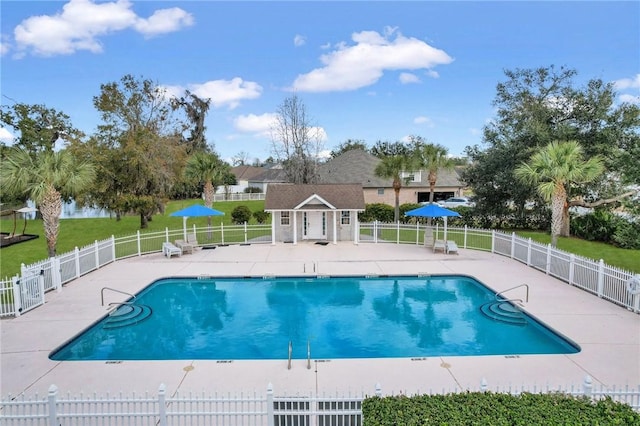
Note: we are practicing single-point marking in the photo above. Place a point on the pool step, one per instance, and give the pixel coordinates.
(503, 311)
(126, 315)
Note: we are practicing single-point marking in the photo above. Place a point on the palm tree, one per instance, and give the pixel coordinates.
(553, 169)
(391, 167)
(207, 168)
(432, 158)
(45, 177)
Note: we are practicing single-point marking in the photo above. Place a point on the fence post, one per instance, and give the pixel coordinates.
(493, 241)
(166, 234)
(513, 244)
(221, 233)
(113, 248)
(17, 302)
(600, 278)
(417, 233)
(529, 252)
(375, 231)
(464, 244)
(398, 232)
(587, 386)
(245, 233)
(162, 405)
(138, 240)
(483, 385)
(378, 390)
(41, 285)
(547, 267)
(96, 248)
(270, 420)
(56, 274)
(76, 258)
(572, 260)
(53, 415)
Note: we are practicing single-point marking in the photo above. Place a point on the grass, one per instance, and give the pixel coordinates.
(614, 256)
(81, 232)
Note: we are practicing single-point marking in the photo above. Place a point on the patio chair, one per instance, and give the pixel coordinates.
(452, 247)
(168, 249)
(186, 247)
(193, 240)
(439, 245)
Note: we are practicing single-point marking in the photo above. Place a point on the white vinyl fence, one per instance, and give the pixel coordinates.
(607, 282)
(243, 409)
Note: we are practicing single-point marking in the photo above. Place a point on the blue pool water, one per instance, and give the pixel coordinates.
(337, 317)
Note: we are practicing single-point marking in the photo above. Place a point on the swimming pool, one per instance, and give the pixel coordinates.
(330, 317)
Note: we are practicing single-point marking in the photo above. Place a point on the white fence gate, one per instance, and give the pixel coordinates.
(28, 291)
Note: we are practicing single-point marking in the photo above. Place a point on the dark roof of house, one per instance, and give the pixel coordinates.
(271, 175)
(246, 172)
(353, 166)
(286, 196)
(358, 166)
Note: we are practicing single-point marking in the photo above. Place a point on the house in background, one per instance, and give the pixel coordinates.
(358, 166)
(243, 175)
(324, 212)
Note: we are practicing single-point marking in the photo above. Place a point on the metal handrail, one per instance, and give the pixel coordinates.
(308, 355)
(513, 288)
(290, 353)
(112, 289)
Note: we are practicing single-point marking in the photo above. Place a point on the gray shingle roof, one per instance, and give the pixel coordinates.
(286, 196)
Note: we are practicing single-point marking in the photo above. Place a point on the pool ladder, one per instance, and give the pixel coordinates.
(308, 355)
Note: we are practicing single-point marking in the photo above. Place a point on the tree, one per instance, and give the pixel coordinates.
(139, 131)
(208, 170)
(45, 177)
(38, 128)
(392, 167)
(296, 142)
(196, 110)
(536, 107)
(349, 145)
(553, 170)
(432, 158)
(385, 148)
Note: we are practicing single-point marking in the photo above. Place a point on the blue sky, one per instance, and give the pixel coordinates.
(365, 70)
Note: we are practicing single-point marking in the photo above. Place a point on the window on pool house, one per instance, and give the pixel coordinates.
(345, 217)
(380, 191)
(284, 218)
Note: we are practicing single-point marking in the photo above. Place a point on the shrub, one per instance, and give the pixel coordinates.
(404, 208)
(377, 211)
(241, 214)
(252, 190)
(261, 216)
(486, 408)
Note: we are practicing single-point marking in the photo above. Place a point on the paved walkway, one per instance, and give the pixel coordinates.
(608, 335)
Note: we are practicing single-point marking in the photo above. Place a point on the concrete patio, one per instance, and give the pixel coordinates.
(608, 334)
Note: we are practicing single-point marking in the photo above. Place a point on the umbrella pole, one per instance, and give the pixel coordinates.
(184, 227)
(14, 224)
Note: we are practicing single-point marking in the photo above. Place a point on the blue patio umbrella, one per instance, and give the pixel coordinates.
(433, 210)
(196, 210)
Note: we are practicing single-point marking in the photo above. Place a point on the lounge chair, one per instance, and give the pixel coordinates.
(439, 245)
(193, 240)
(452, 247)
(168, 249)
(186, 247)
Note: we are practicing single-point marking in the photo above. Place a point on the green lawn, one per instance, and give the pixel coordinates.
(81, 232)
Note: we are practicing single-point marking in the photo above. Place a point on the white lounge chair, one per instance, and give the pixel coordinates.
(452, 247)
(193, 240)
(168, 249)
(439, 245)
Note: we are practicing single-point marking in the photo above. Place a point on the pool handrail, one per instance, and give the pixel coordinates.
(499, 294)
(113, 289)
(290, 353)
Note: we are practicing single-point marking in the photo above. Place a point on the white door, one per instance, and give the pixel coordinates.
(314, 225)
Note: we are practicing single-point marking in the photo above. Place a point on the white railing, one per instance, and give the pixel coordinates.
(239, 196)
(607, 282)
(251, 409)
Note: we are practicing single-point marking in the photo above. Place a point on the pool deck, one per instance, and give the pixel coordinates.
(608, 334)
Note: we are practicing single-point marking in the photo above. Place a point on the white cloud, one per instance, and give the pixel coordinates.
(6, 137)
(630, 99)
(256, 124)
(432, 74)
(408, 78)
(423, 120)
(350, 67)
(325, 46)
(299, 40)
(82, 22)
(222, 93)
(628, 83)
